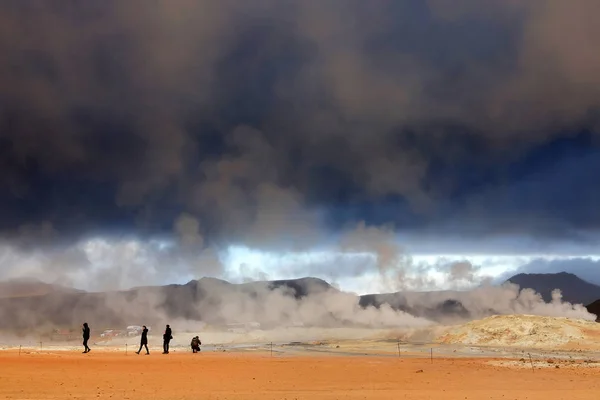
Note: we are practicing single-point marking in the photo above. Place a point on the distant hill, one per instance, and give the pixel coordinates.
(210, 300)
(31, 287)
(26, 305)
(207, 299)
(441, 306)
(574, 289)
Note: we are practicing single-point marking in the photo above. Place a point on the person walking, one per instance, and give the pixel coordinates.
(167, 336)
(86, 337)
(144, 341)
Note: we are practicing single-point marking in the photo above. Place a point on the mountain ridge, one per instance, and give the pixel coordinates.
(204, 299)
(573, 289)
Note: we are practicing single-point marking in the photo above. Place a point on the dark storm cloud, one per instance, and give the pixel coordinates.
(265, 122)
(550, 193)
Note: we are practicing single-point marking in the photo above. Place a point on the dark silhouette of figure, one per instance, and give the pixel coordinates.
(86, 337)
(167, 336)
(195, 344)
(144, 341)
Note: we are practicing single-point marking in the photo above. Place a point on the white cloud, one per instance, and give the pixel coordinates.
(357, 272)
(118, 263)
(109, 263)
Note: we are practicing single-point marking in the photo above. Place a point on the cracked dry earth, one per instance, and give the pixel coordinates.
(106, 375)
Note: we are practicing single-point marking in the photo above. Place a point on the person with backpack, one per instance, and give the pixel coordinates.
(144, 341)
(195, 344)
(167, 336)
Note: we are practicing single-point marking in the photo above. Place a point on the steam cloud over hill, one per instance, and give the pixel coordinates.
(304, 302)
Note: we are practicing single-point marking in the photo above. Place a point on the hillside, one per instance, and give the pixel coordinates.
(208, 299)
(308, 300)
(31, 287)
(438, 306)
(217, 301)
(574, 289)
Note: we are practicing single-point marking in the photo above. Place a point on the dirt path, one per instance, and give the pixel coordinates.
(100, 375)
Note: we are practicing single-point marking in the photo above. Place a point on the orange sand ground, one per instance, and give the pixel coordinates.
(257, 376)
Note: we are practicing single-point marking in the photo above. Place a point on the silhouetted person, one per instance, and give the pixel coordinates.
(196, 344)
(86, 337)
(144, 341)
(167, 336)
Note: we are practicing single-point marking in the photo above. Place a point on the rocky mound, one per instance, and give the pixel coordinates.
(594, 308)
(524, 331)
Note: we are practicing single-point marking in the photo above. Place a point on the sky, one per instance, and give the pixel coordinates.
(380, 145)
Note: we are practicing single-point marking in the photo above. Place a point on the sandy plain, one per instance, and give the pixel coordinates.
(328, 371)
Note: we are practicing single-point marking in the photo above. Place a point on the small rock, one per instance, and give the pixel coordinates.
(419, 371)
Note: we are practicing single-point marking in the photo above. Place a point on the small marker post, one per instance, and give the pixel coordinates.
(125, 348)
(19, 349)
(40, 346)
(432, 355)
(398, 348)
(271, 349)
(531, 361)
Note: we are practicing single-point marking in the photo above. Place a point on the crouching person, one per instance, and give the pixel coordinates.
(196, 344)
